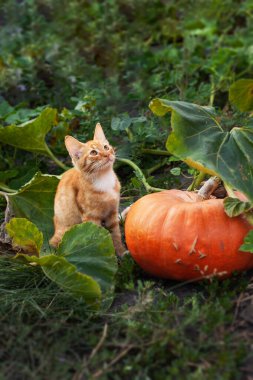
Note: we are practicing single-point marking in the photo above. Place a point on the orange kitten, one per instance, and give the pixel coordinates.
(90, 191)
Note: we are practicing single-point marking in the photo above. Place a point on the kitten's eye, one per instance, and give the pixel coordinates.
(93, 152)
(106, 147)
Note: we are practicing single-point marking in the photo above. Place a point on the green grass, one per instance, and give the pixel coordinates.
(154, 330)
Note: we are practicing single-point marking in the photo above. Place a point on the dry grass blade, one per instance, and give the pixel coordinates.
(79, 375)
(117, 358)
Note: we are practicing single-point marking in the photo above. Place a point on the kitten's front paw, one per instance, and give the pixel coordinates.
(54, 242)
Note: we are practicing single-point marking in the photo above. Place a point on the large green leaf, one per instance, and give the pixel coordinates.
(84, 260)
(90, 248)
(66, 275)
(34, 201)
(241, 94)
(235, 207)
(247, 245)
(199, 140)
(31, 134)
(25, 235)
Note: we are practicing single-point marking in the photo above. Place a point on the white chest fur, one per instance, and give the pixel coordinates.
(106, 183)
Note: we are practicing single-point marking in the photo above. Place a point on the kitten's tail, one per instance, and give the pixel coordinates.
(123, 214)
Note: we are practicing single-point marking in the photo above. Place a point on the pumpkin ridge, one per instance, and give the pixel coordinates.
(168, 218)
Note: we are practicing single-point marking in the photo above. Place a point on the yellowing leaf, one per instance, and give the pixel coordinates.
(241, 94)
(25, 235)
(200, 167)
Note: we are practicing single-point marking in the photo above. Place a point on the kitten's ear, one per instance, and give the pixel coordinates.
(74, 147)
(99, 134)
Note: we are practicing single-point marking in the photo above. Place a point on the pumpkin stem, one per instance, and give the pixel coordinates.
(209, 187)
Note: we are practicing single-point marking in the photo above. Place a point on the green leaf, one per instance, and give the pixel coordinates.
(5, 109)
(7, 174)
(31, 134)
(67, 277)
(34, 201)
(174, 159)
(136, 183)
(25, 235)
(25, 174)
(241, 94)
(139, 119)
(21, 115)
(234, 207)
(86, 104)
(247, 245)
(121, 124)
(90, 248)
(115, 123)
(175, 171)
(199, 140)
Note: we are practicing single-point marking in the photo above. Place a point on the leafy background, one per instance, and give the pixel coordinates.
(104, 61)
(121, 52)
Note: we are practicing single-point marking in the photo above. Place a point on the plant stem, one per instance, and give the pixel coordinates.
(229, 190)
(129, 134)
(6, 189)
(140, 174)
(197, 181)
(55, 159)
(157, 166)
(212, 95)
(14, 154)
(156, 152)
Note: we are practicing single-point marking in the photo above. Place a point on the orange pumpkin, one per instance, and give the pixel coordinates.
(172, 234)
